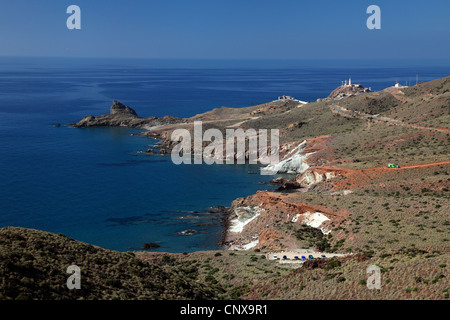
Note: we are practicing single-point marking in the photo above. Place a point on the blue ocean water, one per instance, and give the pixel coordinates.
(95, 186)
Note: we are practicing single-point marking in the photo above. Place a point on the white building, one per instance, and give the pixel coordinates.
(285, 97)
(397, 85)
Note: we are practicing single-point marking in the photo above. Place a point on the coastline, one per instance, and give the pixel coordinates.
(311, 160)
(294, 161)
(160, 129)
(341, 210)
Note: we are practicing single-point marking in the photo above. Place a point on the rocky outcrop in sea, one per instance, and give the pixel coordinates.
(121, 115)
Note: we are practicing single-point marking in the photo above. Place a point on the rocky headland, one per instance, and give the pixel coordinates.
(121, 115)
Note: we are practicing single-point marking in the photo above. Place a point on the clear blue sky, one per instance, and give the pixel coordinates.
(226, 29)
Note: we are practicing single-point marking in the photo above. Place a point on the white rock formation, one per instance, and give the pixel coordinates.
(293, 164)
(314, 219)
(244, 216)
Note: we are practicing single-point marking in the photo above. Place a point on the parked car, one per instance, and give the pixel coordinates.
(303, 258)
(275, 258)
(323, 256)
(310, 257)
(296, 258)
(284, 258)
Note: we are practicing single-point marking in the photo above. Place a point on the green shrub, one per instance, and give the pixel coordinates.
(333, 264)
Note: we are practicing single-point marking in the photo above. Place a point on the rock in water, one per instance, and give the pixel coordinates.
(119, 108)
(150, 245)
(285, 184)
(187, 232)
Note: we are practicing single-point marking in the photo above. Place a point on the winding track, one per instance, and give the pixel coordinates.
(388, 120)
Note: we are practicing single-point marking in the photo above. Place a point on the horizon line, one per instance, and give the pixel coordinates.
(226, 59)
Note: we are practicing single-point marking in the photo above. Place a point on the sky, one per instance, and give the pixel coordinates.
(226, 29)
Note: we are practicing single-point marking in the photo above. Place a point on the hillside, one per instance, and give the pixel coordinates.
(358, 141)
(405, 275)
(33, 265)
(348, 180)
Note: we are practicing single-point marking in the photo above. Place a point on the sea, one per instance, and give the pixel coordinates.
(97, 186)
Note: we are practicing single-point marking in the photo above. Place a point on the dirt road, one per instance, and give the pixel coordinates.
(356, 114)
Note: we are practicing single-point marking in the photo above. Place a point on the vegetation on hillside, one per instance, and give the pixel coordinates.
(33, 265)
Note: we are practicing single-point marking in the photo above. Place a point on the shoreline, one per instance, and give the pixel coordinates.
(310, 158)
(294, 157)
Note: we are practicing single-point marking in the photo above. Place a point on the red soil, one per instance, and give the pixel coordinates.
(360, 178)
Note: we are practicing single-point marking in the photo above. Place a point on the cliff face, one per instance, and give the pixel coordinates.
(123, 116)
(259, 216)
(319, 174)
(294, 162)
